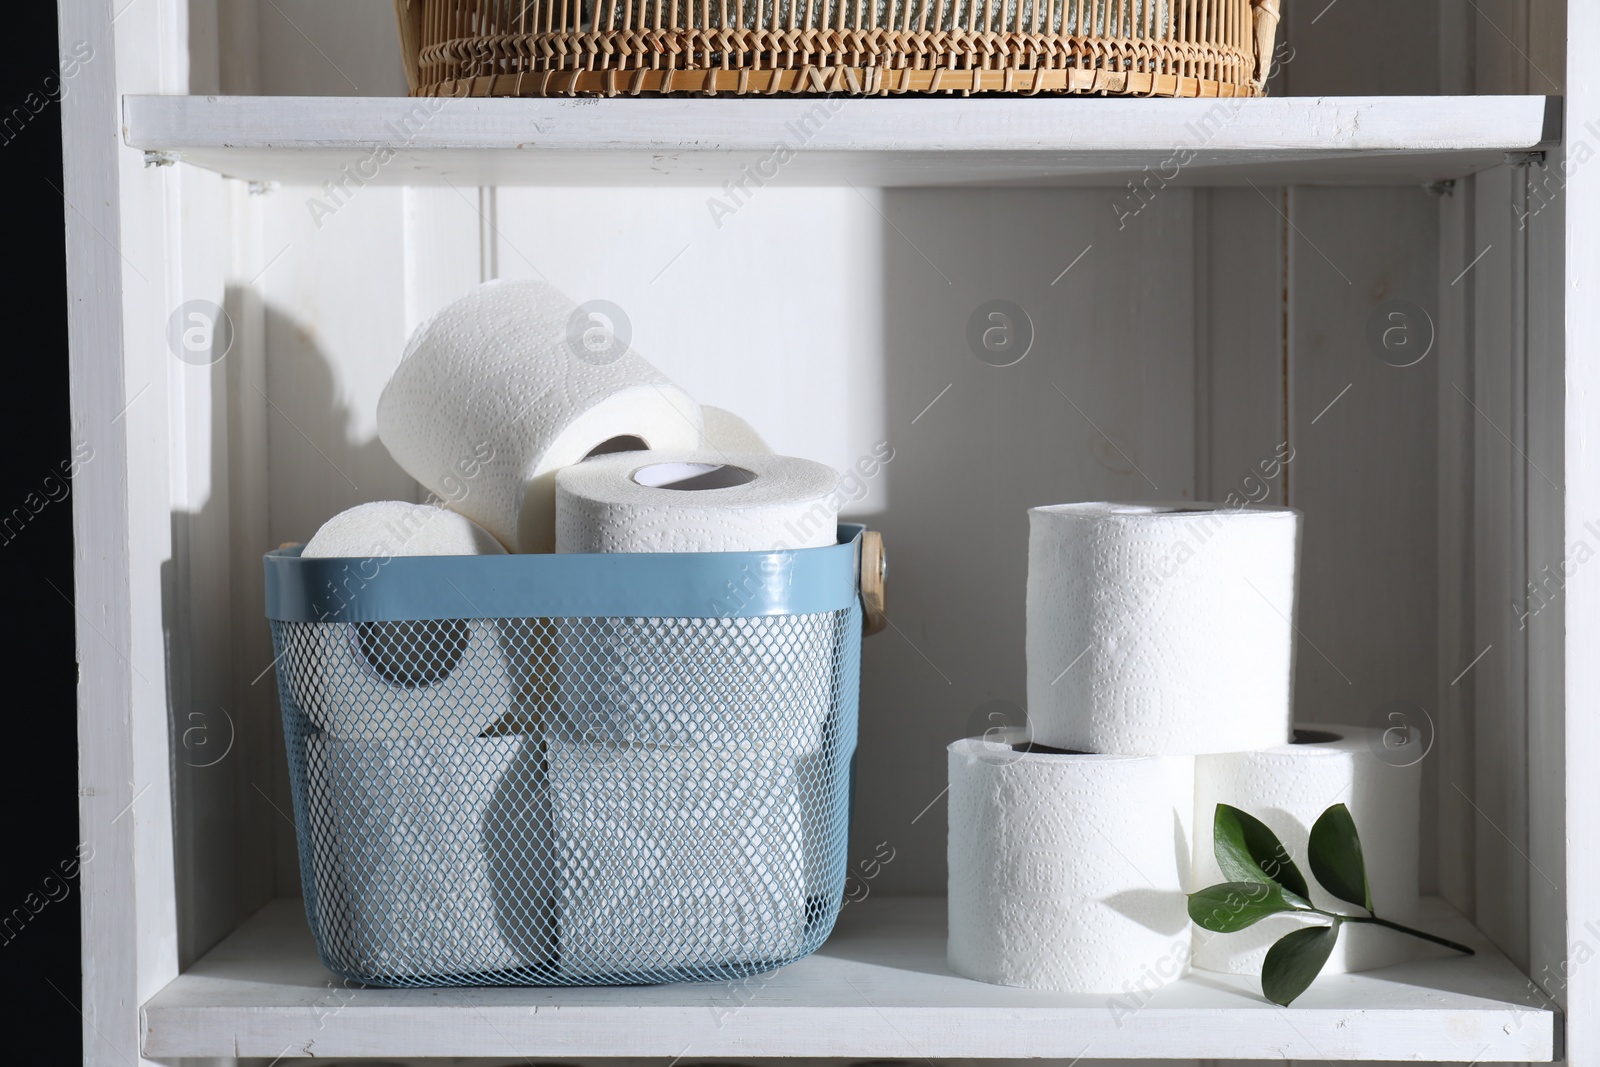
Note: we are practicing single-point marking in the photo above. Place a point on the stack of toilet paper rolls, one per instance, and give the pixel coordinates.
(657, 779)
(1160, 651)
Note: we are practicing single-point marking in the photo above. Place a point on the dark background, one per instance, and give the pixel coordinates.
(38, 778)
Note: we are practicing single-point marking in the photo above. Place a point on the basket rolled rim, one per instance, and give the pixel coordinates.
(670, 585)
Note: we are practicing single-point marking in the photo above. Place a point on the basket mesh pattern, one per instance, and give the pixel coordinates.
(570, 801)
(855, 47)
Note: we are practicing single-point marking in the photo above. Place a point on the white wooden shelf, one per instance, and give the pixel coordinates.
(879, 988)
(880, 142)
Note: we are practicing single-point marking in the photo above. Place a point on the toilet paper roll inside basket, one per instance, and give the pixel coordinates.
(1068, 872)
(696, 501)
(511, 383)
(429, 859)
(1288, 787)
(397, 680)
(1161, 629)
(699, 680)
(675, 861)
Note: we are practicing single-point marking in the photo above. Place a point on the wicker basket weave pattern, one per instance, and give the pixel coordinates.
(1204, 48)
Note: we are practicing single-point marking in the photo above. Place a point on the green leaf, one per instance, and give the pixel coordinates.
(1248, 851)
(1335, 853)
(1235, 905)
(1295, 961)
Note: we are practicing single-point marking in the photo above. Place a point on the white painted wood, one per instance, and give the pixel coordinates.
(1241, 355)
(879, 988)
(256, 755)
(100, 561)
(317, 48)
(335, 330)
(1498, 800)
(1548, 817)
(896, 142)
(1364, 469)
(1360, 47)
(119, 226)
(1450, 767)
(1582, 591)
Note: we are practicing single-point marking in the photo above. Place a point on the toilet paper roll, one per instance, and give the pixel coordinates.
(398, 680)
(698, 681)
(726, 432)
(429, 858)
(695, 501)
(676, 860)
(1161, 629)
(1288, 787)
(1068, 872)
(500, 390)
(692, 681)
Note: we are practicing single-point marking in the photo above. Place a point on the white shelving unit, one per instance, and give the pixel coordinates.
(879, 988)
(258, 156)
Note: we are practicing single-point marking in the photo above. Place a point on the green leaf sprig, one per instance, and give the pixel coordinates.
(1263, 880)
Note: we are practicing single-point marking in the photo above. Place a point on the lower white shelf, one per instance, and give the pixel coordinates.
(880, 988)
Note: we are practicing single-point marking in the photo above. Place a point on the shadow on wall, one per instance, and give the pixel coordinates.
(1032, 356)
(285, 455)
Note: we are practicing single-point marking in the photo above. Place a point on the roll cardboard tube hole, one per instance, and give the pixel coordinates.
(692, 477)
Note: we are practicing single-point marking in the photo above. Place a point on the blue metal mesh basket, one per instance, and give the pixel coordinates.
(569, 769)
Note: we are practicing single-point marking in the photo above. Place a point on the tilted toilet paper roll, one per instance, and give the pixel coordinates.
(1161, 629)
(726, 432)
(1067, 871)
(1288, 787)
(496, 393)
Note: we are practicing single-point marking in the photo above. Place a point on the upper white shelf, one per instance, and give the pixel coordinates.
(878, 141)
(879, 988)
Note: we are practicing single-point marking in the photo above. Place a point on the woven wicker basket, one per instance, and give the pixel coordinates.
(856, 47)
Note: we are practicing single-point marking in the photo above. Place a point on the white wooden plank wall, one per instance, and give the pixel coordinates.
(1241, 349)
(1451, 766)
(1499, 797)
(1365, 470)
(317, 48)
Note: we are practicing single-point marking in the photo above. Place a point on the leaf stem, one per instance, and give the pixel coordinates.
(1407, 930)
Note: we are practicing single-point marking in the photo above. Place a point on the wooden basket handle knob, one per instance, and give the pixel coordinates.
(874, 571)
(1266, 22)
